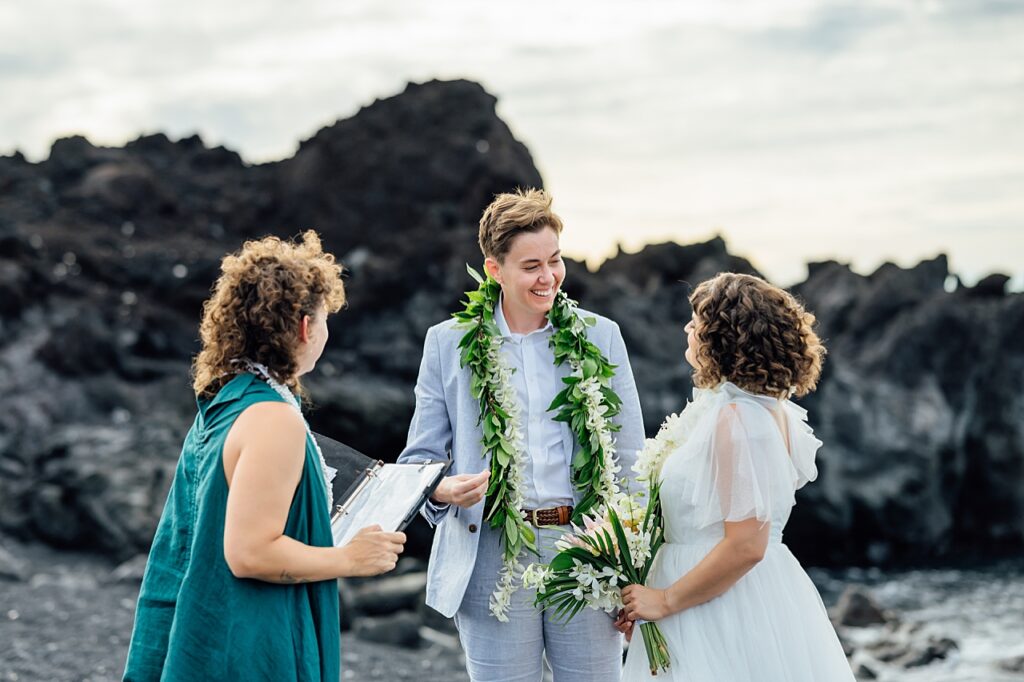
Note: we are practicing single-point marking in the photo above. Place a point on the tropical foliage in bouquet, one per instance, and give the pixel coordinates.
(617, 547)
(614, 548)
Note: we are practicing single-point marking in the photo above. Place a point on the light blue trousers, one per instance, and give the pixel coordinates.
(586, 649)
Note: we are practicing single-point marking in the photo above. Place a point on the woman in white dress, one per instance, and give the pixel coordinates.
(733, 602)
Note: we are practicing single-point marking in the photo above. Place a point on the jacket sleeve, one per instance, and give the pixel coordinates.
(430, 431)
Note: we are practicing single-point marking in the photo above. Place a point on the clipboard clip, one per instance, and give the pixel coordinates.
(369, 474)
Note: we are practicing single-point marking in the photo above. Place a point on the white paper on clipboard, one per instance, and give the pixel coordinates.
(389, 496)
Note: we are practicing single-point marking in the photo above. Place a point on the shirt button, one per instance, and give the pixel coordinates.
(472, 528)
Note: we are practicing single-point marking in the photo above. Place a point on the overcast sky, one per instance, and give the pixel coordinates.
(799, 130)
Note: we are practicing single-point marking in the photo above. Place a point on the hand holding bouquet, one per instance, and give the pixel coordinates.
(615, 548)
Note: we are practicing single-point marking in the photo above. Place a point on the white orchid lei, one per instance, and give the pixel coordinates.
(587, 405)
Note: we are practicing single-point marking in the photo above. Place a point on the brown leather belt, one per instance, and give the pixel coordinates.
(555, 516)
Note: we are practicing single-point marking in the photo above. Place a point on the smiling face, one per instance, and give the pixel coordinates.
(530, 274)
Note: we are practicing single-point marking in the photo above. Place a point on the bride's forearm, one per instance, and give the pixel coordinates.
(723, 566)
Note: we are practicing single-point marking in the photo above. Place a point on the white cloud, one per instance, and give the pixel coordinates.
(799, 129)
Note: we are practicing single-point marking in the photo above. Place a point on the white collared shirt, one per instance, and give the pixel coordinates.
(546, 479)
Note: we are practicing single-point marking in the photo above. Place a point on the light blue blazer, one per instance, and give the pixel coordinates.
(444, 426)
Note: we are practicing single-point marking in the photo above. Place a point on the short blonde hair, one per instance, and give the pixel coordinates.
(257, 305)
(511, 214)
(755, 335)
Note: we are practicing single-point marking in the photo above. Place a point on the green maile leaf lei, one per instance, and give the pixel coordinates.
(587, 404)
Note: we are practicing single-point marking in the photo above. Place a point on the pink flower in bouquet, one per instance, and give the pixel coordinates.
(592, 528)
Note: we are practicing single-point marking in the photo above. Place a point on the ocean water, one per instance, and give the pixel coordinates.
(982, 609)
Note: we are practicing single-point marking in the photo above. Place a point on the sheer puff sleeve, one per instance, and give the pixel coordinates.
(741, 467)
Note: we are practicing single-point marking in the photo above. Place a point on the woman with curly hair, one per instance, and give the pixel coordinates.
(732, 601)
(240, 582)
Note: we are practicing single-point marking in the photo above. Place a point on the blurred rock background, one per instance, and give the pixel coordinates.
(106, 255)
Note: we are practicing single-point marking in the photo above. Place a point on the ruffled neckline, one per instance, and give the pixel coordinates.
(803, 444)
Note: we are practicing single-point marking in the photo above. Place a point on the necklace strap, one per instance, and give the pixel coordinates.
(263, 373)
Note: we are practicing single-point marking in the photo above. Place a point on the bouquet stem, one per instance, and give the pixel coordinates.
(656, 647)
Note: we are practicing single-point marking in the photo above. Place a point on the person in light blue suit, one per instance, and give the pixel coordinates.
(519, 237)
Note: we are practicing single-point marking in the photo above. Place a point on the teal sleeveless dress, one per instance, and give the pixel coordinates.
(195, 620)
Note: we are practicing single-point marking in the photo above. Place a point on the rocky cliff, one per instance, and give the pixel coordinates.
(106, 255)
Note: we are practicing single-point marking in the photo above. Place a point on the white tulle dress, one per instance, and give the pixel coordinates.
(745, 457)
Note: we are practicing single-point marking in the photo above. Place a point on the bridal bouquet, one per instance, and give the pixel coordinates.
(614, 548)
(617, 546)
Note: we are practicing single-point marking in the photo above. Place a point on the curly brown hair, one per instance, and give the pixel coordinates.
(755, 335)
(257, 305)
